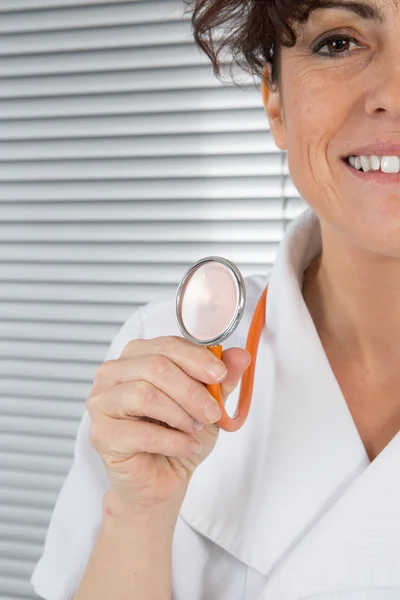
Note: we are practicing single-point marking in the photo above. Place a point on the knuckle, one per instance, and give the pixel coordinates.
(168, 343)
(164, 344)
(103, 370)
(95, 435)
(176, 446)
(146, 393)
(146, 437)
(194, 391)
(183, 421)
(131, 346)
(158, 365)
(89, 404)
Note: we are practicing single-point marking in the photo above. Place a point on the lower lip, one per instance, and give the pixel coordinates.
(375, 176)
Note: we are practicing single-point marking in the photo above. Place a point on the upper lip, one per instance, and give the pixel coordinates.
(379, 148)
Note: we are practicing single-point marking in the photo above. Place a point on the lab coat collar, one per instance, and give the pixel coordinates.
(264, 488)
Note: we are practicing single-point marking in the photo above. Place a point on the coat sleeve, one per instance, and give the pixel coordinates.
(76, 517)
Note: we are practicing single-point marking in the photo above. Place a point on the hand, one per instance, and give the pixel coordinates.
(143, 408)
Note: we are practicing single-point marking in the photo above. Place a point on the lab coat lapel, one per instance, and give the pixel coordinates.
(356, 545)
(266, 486)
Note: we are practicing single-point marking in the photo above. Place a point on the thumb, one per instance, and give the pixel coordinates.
(236, 360)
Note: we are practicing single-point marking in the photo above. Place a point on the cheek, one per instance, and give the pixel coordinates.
(308, 138)
(317, 106)
(315, 114)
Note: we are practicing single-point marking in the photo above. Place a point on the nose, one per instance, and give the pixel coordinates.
(384, 85)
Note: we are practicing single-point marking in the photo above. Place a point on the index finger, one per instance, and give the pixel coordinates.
(196, 360)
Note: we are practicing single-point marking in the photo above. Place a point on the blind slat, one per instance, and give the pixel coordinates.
(261, 254)
(12, 6)
(142, 168)
(87, 273)
(100, 61)
(29, 480)
(51, 370)
(21, 550)
(226, 144)
(37, 388)
(37, 426)
(39, 350)
(38, 445)
(217, 98)
(100, 14)
(243, 209)
(61, 409)
(57, 332)
(90, 293)
(211, 188)
(19, 568)
(116, 36)
(71, 312)
(189, 231)
(25, 533)
(39, 463)
(149, 81)
(17, 587)
(41, 500)
(234, 120)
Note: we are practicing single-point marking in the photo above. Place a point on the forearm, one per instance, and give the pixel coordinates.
(132, 557)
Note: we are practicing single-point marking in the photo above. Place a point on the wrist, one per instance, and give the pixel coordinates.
(165, 515)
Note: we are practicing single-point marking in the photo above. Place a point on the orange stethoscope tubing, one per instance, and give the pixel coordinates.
(246, 387)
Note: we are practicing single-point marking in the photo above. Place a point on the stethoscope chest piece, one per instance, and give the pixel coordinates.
(210, 301)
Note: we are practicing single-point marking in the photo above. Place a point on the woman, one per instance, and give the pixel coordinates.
(303, 501)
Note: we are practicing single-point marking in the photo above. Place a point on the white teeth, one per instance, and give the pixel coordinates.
(375, 163)
(390, 164)
(387, 164)
(352, 161)
(365, 163)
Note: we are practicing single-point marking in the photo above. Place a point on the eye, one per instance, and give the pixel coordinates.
(337, 43)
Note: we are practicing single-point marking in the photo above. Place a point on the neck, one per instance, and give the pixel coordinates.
(353, 296)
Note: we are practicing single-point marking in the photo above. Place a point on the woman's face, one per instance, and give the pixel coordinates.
(329, 106)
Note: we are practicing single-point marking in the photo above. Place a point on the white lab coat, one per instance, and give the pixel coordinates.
(287, 508)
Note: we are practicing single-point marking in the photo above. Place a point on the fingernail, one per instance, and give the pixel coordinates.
(212, 411)
(197, 425)
(195, 447)
(217, 371)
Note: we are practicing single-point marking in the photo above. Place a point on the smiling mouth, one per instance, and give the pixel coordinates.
(378, 164)
(373, 176)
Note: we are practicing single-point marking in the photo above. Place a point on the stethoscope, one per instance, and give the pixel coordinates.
(210, 302)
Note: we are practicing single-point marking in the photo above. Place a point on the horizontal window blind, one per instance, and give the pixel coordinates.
(123, 160)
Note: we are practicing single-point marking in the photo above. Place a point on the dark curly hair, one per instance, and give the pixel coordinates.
(253, 31)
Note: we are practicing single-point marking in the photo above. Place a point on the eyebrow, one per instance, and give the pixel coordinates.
(366, 10)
